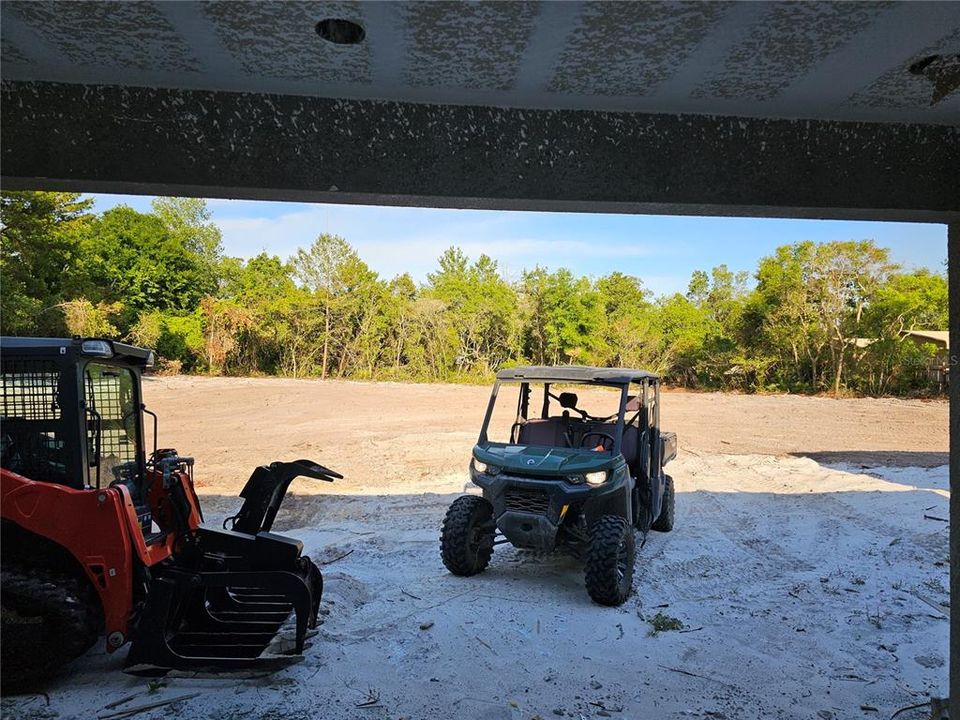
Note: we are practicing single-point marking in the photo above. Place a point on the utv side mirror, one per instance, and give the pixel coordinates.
(568, 400)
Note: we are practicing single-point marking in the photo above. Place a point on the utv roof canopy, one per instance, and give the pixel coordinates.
(575, 373)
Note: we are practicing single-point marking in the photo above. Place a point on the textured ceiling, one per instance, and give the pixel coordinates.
(845, 61)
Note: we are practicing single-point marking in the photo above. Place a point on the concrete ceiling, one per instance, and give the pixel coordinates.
(823, 60)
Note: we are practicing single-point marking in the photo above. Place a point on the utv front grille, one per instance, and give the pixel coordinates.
(523, 500)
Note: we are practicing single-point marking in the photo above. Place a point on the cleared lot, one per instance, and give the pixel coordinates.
(805, 590)
(382, 434)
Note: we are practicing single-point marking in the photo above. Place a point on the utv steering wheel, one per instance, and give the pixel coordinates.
(603, 435)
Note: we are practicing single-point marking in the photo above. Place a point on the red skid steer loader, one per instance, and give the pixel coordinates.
(98, 538)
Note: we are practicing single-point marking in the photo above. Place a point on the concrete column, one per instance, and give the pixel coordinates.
(953, 264)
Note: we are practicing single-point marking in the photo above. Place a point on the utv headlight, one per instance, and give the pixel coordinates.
(482, 467)
(596, 478)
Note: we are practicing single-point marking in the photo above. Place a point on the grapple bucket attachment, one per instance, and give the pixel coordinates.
(226, 620)
(235, 599)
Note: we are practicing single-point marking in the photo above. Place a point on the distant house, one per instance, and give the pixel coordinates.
(938, 367)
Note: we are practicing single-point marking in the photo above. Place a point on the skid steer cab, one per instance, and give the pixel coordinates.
(100, 538)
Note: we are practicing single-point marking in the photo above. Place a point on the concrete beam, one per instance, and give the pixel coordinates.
(220, 144)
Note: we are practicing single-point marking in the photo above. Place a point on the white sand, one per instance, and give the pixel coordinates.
(808, 592)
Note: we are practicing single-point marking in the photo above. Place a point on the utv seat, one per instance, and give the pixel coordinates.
(629, 446)
(635, 412)
(548, 432)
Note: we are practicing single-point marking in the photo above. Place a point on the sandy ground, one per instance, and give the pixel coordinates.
(808, 579)
(383, 436)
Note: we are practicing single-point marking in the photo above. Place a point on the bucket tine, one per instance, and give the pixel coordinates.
(225, 620)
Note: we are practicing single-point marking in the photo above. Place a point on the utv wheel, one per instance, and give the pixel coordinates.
(466, 541)
(609, 567)
(664, 523)
(48, 619)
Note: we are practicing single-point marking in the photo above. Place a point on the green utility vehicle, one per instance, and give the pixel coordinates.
(583, 476)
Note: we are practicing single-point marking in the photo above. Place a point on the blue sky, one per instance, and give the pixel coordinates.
(662, 250)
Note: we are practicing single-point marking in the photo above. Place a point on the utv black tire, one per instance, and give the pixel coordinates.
(48, 619)
(664, 523)
(610, 558)
(466, 540)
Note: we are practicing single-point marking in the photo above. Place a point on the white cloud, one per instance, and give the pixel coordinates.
(396, 240)
(661, 250)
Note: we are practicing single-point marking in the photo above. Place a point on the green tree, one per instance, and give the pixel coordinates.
(399, 309)
(720, 297)
(564, 315)
(39, 254)
(916, 300)
(261, 278)
(780, 316)
(282, 335)
(907, 301)
(319, 269)
(85, 319)
(630, 336)
(810, 301)
(132, 257)
(828, 316)
(722, 292)
(189, 222)
(684, 329)
(845, 277)
(480, 307)
(363, 315)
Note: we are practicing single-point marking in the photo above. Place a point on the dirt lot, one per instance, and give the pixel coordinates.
(382, 434)
(805, 567)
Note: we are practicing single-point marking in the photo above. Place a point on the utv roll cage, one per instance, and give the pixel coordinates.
(632, 408)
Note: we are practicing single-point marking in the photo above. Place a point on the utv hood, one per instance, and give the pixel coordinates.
(541, 460)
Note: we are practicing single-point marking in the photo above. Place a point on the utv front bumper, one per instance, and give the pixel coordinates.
(529, 510)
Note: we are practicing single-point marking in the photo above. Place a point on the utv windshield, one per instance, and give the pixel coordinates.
(583, 416)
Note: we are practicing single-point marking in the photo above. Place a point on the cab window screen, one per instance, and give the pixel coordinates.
(31, 421)
(111, 422)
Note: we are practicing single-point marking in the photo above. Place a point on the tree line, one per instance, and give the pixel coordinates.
(160, 279)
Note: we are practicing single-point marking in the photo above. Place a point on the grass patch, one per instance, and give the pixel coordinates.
(662, 623)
